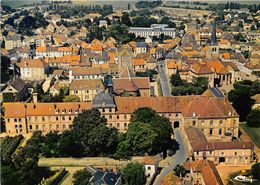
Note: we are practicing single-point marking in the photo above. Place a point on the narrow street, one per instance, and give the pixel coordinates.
(163, 79)
(178, 158)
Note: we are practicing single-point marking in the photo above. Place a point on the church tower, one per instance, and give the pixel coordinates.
(213, 49)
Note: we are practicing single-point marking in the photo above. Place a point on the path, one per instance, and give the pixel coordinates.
(163, 79)
(178, 158)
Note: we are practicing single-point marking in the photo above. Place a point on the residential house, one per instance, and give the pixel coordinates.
(14, 41)
(33, 69)
(132, 86)
(15, 90)
(78, 73)
(86, 90)
(201, 172)
(151, 165)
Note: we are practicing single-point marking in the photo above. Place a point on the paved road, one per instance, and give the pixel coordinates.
(164, 79)
(180, 156)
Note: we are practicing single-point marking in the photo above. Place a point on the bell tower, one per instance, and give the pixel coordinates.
(213, 50)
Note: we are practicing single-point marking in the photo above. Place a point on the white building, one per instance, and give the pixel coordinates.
(154, 30)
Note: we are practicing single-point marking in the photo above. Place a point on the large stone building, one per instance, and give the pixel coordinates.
(208, 113)
(154, 30)
(228, 152)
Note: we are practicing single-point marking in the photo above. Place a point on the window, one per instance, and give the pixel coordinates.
(198, 152)
(211, 122)
(30, 127)
(220, 131)
(202, 123)
(57, 127)
(211, 131)
(43, 118)
(117, 116)
(110, 116)
(57, 118)
(35, 118)
(20, 120)
(118, 125)
(43, 127)
(8, 120)
(69, 118)
(169, 114)
(176, 114)
(220, 122)
(193, 123)
(15, 120)
(110, 125)
(103, 109)
(149, 167)
(110, 110)
(235, 153)
(50, 127)
(125, 116)
(64, 126)
(63, 118)
(36, 127)
(125, 125)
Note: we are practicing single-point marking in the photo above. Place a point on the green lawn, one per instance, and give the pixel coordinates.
(253, 133)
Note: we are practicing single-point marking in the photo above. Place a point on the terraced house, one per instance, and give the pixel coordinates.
(217, 113)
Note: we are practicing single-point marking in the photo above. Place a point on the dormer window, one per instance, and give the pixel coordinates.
(57, 111)
(76, 111)
(70, 111)
(63, 111)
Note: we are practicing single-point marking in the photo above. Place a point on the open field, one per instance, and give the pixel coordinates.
(253, 133)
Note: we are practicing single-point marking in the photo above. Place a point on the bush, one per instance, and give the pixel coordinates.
(255, 170)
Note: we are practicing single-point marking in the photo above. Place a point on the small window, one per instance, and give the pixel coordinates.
(64, 126)
(110, 125)
(57, 127)
(235, 153)
(103, 109)
(30, 127)
(69, 118)
(15, 120)
(43, 118)
(57, 118)
(193, 123)
(36, 127)
(211, 122)
(220, 122)
(118, 125)
(211, 131)
(220, 131)
(125, 116)
(117, 116)
(110, 116)
(63, 118)
(149, 167)
(110, 109)
(20, 120)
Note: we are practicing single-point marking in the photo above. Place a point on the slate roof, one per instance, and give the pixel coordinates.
(103, 100)
(18, 84)
(104, 178)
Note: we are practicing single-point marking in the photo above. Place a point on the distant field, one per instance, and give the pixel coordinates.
(253, 133)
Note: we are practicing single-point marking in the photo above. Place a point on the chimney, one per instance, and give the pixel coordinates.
(35, 97)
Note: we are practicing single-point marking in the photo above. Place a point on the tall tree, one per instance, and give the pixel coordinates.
(176, 79)
(134, 174)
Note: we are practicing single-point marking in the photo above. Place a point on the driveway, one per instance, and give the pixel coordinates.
(178, 158)
(163, 79)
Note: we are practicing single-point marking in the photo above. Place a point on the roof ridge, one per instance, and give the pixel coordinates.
(204, 106)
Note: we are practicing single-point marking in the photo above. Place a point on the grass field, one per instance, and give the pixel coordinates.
(253, 133)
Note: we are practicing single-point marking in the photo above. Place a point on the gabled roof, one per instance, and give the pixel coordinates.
(213, 92)
(207, 169)
(87, 84)
(32, 63)
(18, 84)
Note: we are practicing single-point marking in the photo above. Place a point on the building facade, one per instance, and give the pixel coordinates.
(23, 118)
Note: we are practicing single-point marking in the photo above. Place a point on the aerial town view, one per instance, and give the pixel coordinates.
(141, 92)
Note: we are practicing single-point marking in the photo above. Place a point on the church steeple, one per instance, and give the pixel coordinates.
(213, 39)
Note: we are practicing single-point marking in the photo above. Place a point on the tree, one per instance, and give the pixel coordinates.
(125, 19)
(134, 174)
(176, 79)
(255, 170)
(253, 118)
(179, 171)
(155, 130)
(81, 177)
(141, 138)
(5, 73)
(241, 100)
(71, 98)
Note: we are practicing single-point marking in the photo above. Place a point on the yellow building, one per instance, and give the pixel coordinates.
(23, 118)
(86, 90)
